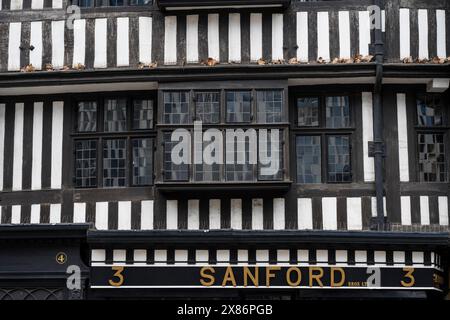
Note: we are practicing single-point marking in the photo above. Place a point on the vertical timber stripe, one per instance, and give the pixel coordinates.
(193, 214)
(172, 214)
(100, 51)
(402, 137)
(123, 51)
(354, 214)
(57, 4)
(101, 215)
(234, 37)
(367, 126)
(145, 40)
(147, 215)
(79, 42)
(79, 212)
(424, 210)
(18, 146)
(443, 211)
(302, 36)
(279, 214)
(422, 17)
(404, 35)
(16, 4)
(37, 4)
(36, 42)
(364, 32)
(236, 213)
(55, 213)
(277, 37)
(329, 213)
(36, 170)
(213, 36)
(57, 144)
(374, 206)
(405, 202)
(58, 44)
(124, 215)
(214, 214)
(192, 39)
(15, 214)
(323, 36)
(344, 34)
(255, 36)
(35, 216)
(170, 40)
(440, 34)
(304, 213)
(257, 214)
(14, 46)
(2, 141)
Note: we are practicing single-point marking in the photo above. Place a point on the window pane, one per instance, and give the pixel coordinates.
(115, 3)
(172, 171)
(269, 105)
(207, 106)
(115, 115)
(270, 161)
(176, 107)
(337, 112)
(430, 111)
(308, 112)
(142, 114)
(87, 116)
(207, 172)
(240, 168)
(432, 158)
(142, 161)
(139, 2)
(238, 106)
(85, 163)
(309, 159)
(85, 3)
(339, 167)
(114, 163)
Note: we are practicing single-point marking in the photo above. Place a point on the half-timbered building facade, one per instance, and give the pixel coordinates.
(91, 92)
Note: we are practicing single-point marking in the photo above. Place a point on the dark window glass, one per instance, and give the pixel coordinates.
(240, 169)
(87, 116)
(207, 106)
(114, 163)
(85, 163)
(269, 104)
(274, 154)
(115, 115)
(430, 112)
(176, 107)
(85, 3)
(308, 112)
(337, 112)
(309, 161)
(172, 171)
(432, 161)
(207, 172)
(139, 2)
(115, 3)
(238, 106)
(339, 166)
(142, 161)
(142, 114)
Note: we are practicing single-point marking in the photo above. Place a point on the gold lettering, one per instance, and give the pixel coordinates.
(316, 277)
(253, 277)
(408, 275)
(118, 274)
(269, 274)
(332, 281)
(211, 278)
(229, 276)
(288, 277)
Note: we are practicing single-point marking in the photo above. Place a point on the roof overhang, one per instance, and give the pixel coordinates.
(176, 5)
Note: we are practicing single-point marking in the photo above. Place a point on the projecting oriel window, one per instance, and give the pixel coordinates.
(176, 107)
(432, 138)
(269, 104)
(238, 106)
(322, 155)
(85, 163)
(207, 106)
(87, 116)
(113, 142)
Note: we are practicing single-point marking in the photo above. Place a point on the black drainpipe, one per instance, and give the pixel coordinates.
(378, 143)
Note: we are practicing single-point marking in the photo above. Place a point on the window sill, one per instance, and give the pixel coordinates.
(223, 186)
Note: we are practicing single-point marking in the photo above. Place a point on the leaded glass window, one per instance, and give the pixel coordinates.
(269, 104)
(308, 112)
(142, 114)
(339, 165)
(432, 160)
(309, 159)
(114, 163)
(207, 106)
(87, 116)
(85, 163)
(176, 107)
(238, 106)
(337, 112)
(173, 171)
(142, 161)
(115, 115)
